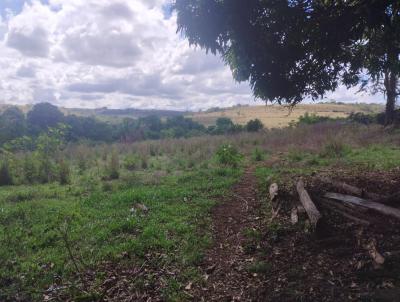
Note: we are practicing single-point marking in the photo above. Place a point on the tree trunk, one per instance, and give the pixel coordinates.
(391, 95)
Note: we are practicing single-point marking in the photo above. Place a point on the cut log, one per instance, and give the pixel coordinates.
(393, 199)
(366, 204)
(349, 189)
(294, 217)
(338, 208)
(273, 191)
(312, 212)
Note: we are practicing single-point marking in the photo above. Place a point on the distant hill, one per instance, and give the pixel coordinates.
(274, 116)
(115, 115)
(107, 114)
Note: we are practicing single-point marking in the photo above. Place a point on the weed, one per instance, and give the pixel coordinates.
(228, 155)
(258, 155)
(334, 149)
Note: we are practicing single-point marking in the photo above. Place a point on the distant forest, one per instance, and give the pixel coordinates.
(19, 131)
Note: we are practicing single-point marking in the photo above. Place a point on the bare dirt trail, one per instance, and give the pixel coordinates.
(226, 263)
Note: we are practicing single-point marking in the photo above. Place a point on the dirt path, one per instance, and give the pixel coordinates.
(226, 263)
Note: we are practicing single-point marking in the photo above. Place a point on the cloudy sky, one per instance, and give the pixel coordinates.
(115, 53)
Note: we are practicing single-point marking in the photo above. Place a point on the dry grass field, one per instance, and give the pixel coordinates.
(274, 116)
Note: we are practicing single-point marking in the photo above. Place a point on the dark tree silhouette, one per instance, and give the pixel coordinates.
(43, 116)
(12, 124)
(293, 49)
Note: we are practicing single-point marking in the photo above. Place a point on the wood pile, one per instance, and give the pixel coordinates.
(355, 205)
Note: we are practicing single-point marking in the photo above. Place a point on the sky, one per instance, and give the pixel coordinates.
(113, 53)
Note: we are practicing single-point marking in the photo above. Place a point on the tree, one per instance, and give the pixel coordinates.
(12, 124)
(292, 50)
(254, 125)
(44, 116)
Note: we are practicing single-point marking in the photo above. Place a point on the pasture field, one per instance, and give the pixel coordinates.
(134, 221)
(274, 116)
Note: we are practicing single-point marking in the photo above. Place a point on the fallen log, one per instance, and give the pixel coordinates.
(312, 212)
(349, 189)
(343, 211)
(389, 200)
(366, 204)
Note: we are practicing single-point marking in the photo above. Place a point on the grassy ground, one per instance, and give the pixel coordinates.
(51, 234)
(65, 236)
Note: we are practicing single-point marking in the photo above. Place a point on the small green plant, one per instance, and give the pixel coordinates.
(257, 155)
(228, 155)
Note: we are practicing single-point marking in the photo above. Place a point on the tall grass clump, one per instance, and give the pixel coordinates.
(334, 149)
(113, 167)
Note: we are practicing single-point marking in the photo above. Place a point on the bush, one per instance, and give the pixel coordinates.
(228, 155)
(335, 148)
(5, 175)
(131, 162)
(30, 169)
(63, 172)
(46, 170)
(311, 119)
(361, 118)
(254, 125)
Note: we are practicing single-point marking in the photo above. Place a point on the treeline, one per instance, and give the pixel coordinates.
(354, 117)
(20, 131)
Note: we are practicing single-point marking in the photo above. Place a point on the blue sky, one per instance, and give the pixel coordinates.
(13, 5)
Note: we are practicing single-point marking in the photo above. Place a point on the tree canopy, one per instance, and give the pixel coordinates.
(290, 50)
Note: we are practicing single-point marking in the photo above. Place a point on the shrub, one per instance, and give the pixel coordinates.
(30, 169)
(144, 163)
(361, 118)
(257, 155)
(5, 175)
(254, 125)
(334, 148)
(63, 172)
(45, 170)
(228, 155)
(131, 162)
(310, 119)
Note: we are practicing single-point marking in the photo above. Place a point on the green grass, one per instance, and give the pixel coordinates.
(102, 226)
(374, 157)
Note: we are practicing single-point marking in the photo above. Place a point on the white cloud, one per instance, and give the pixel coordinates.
(90, 53)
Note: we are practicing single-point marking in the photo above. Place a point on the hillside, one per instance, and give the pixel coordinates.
(274, 116)
(106, 114)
